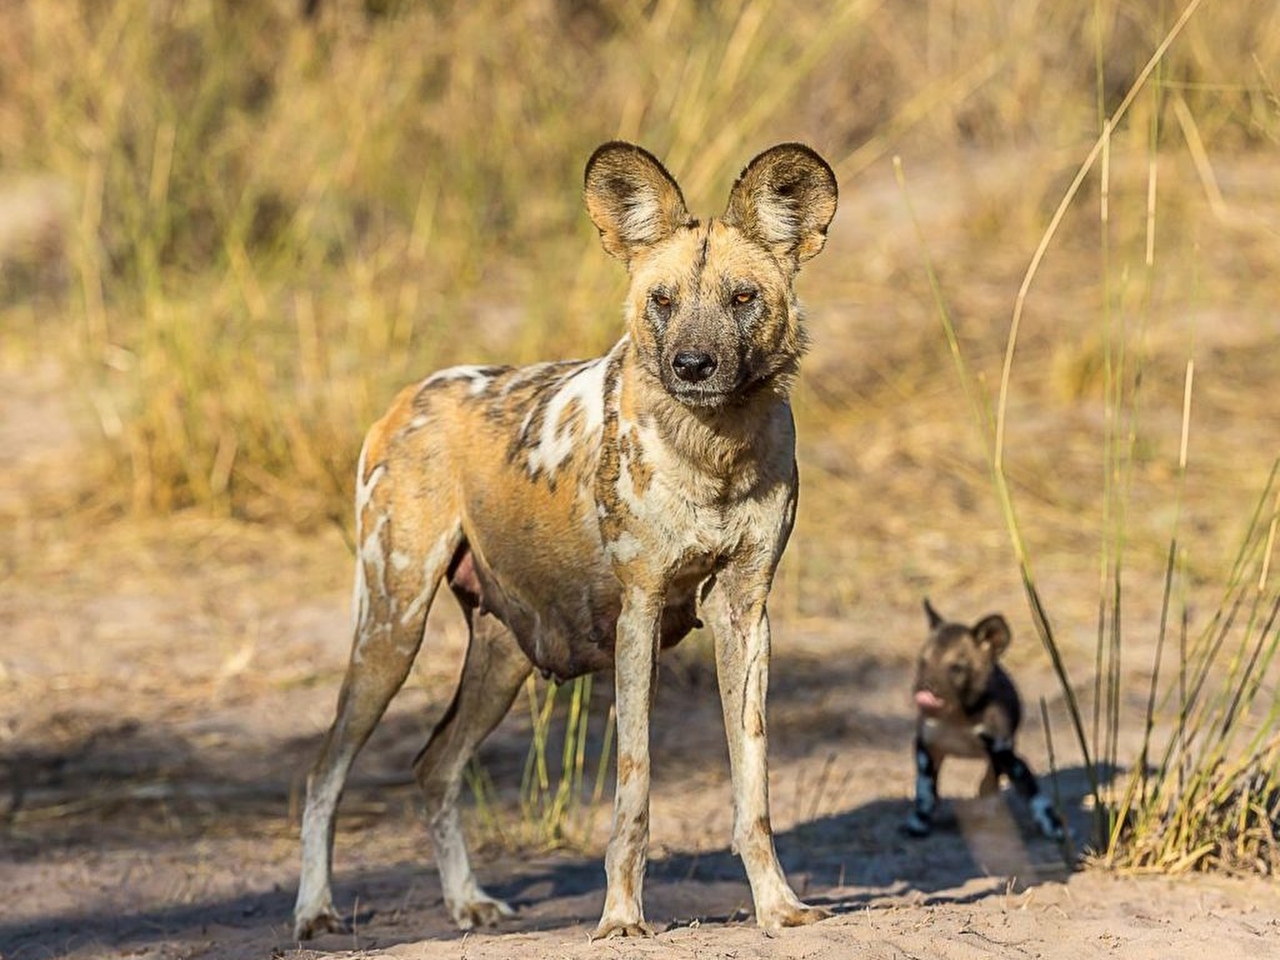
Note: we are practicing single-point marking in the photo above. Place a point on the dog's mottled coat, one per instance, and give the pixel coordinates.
(587, 513)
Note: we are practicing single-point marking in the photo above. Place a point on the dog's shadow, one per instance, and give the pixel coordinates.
(853, 859)
(846, 862)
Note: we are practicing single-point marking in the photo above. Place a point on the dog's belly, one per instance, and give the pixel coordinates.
(522, 447)
(953, 737)
(570, 629)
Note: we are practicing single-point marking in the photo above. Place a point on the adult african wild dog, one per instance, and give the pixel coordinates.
(585, 513)
(969, 707)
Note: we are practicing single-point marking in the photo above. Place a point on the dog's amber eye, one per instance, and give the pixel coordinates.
(661, 300)
(743, 297)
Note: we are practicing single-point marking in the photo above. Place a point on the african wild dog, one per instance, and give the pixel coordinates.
(586, 513)
(969, 707)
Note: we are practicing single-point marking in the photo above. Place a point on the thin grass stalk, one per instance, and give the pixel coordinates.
(1247, 687)
(606, 751)
(582, 693)
(1180, 741)
(1105, 688)
(483, 795)
(1115, 682)
(1203, 654)
(1238, 670)
(1170, 561)
(1210, 795)
(1201, 710)
(536, 784)
(565, 800)
(1068, 846)
(1002, 403)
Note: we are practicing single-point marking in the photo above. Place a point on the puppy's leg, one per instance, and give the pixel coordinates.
(741, 627)
(491, 676)
(920, 820)
(635, 666)
(392, 597)
(990, 784)
(1008, 763)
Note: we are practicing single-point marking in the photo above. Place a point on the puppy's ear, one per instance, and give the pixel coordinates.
(993, 632)
(785, 199)
(935, 619)
(631, 198)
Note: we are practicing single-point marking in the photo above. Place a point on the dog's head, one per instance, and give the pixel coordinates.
(955, 664)
(711, 309)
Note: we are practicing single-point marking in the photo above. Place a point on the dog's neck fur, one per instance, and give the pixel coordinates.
(724, 445)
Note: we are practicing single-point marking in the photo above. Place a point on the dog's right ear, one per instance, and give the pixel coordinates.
(935, 620)
(633, 201)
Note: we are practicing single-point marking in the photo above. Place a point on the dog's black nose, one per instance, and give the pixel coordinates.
(693, 366)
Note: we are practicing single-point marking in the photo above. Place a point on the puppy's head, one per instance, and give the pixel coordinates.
(955, 663)
(711, 309)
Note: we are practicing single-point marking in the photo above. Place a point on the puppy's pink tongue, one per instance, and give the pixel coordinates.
(928, 700)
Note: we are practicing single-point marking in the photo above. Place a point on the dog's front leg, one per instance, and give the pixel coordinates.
(635, 667)
(736, 607)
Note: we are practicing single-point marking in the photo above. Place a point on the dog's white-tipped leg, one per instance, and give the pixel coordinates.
(314, 912)
(492, 675)
(391, 605)
(628, 850)
(742, 662)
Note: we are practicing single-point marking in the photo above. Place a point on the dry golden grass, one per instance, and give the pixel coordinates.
(241, 230)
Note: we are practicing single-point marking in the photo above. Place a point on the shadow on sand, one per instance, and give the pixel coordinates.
(854, 860)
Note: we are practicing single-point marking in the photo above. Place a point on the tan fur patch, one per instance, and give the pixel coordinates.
(382, 433)
(638, 469)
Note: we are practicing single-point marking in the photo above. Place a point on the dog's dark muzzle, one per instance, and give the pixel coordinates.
(693, 366)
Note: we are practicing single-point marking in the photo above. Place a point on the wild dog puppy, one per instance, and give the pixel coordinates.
(969, 707)
(586, 513)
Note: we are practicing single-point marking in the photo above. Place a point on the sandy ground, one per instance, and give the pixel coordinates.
(163, 689)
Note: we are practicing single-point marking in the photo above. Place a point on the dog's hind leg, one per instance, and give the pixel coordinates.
(1005, 761)
(494, 670)
(395, 584)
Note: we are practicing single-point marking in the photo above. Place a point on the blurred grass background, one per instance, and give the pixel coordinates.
(237, 229)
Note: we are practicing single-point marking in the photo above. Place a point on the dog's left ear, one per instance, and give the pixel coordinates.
(993, 632)
(785, 199)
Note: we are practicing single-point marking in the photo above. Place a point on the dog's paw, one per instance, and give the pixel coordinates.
(793, 915)
(326, 920)
(1054, 831)
(1047, 819)
(482, 911)
(608, 929)
(916, 826)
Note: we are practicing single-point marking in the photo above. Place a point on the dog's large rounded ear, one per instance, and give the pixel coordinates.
(993, 632)
(785, 199)
(633, 201)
